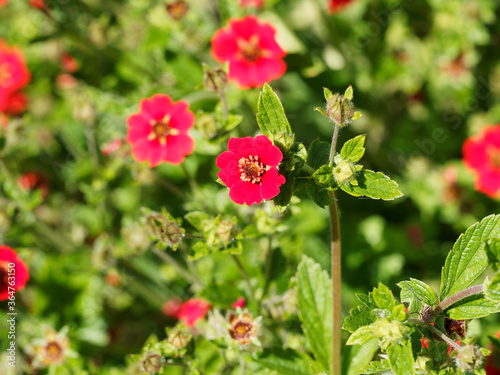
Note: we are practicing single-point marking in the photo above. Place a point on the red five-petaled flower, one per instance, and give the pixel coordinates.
(13, 272)
(252, 52)
(249, 169)
(159, 131)
(337, 5)
(482, 155)
(251, 3)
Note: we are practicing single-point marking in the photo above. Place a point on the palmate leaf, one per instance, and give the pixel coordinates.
(467, 260)
(314, 293)
(375, 185)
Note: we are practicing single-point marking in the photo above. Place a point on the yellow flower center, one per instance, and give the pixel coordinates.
(252, 169)
(160, 130)
(53, 351)
(250, 49)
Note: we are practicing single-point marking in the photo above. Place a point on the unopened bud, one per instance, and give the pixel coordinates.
(226, 230)
(344, 172)
(179, 338)
(214, 79)
(151, 362)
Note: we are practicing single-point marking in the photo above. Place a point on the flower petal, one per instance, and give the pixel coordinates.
(229, 170)
(224, 45)
(181, 118)
(178, 146)
(266, 151)
(245, 192)
(267, 41)
(138, 128)
(146, 150)
(157, 107)
(271, 182)
(241, 147)
(489, 183)
(244, 28)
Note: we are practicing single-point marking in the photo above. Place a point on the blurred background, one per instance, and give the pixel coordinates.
(426, 76)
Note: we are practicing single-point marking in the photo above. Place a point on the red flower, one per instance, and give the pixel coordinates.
(249, 169)
(38, 4)
(111, 147)
(192, 311)
(251, 3)
(16, 104)
(482, 155)
(33, 181)
(159, 131)
(13, 272)
(172, 307)
(252, 52)
(66, 81)
(240, 302)
(3, 2)
(14, 74)
(337, 5)
(68, 62)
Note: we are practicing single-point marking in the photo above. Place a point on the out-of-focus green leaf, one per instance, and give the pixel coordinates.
(492, 249)
(319, 194)
(318, 154)
(284, 361)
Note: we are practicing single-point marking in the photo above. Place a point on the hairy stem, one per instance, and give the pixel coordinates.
(476, 289)
(336, 269)
(443, 337)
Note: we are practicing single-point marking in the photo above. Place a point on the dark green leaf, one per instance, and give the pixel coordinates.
(324, 176)
(314, 294)
(467, 260)
(286, 190)
(319, 194)
(375, 185)
(318, 154)
(353, 150)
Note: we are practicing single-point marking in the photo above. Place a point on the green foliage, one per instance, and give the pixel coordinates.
(375, 185)
(314, 293)
(284, 361)
(419, 290)
(467, 260)
(492, 249)
(354, 149)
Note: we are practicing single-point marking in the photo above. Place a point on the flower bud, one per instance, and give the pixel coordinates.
(344, 172)
(179, 338)
(469, 357)
(214, 79)
(151, 362)
(177, 9)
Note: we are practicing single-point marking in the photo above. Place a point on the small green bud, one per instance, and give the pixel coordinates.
(339, 108)
(344, 172)
(214, 79)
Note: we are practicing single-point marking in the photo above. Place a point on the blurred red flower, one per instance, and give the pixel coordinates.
(3, 2)
(38, 4)
(251, 3)
(111, 147)
(172, 307)
(252, 52)
(337, 5)
(66, 81)
(159, 131)
(69, 63)
(33, 181)
(240, 302)
(482, 155)
(192, 311)
(249, 169)
(14, 74)
(16, 103)
(11, 266)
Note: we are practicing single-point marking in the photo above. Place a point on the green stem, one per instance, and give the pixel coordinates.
(269, 261)
(476, 289)
(191, 180)
(181, 270)
(336, 270)
(443, 337)
(244, 273)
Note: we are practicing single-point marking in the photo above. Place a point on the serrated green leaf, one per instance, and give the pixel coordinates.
(318, 154)
(367, 300)
(473, 307)
(324, 175)
(399, 313)
(401, 358)
(361, 336)
(492, 248)
(414, 305)
(383, 297)
(285, 361)
(376, 367)
(420, 290)
(271, 116)
(360, 356)
(358, 317)
(314, 294)
(491, 288)
(354, 149)
(375, 185)
(319, 194)
(467, 260)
